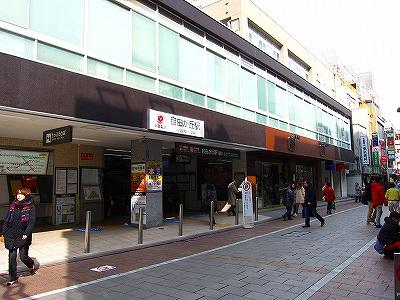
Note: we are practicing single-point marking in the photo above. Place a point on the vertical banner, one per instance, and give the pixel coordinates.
(247, 199)
(154, 176)
(138, 190)
(364, 147)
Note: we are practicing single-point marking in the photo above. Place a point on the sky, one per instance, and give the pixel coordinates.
(364, 34)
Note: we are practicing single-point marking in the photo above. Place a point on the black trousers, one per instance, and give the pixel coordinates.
(311, 211)
(232, 209)
(12, 261)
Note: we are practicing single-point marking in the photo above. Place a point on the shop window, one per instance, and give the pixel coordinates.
(108, 30)
(261, 93)
(249, 97)
(233, 110)
(216, 79)
(141, 82)
(170, 90)
(16, 45)
(103, 70)
(262, 119)
(169, 53)
(191, 63)
(194, 98)
(215, 104)
(233, 80)
(59, 57)
(143, 42)
(14, 12)
(62, 19)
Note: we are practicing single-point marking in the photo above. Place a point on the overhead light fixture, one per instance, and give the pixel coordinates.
(117, 150)
(124, 132)
(14, 117)
(86, 140)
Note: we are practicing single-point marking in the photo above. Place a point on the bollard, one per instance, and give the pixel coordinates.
(140, 232)
(397, 276)
(256, 210)
(237, 212)
(180, 233)
(212, 215)
(87, 231)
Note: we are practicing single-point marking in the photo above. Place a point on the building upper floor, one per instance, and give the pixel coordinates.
(168, 48)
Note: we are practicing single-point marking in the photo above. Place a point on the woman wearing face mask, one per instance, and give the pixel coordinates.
(17, 232)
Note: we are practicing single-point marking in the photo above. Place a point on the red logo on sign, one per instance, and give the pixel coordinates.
(160, 119)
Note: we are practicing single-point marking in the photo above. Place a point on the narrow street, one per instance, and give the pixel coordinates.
(276, 260)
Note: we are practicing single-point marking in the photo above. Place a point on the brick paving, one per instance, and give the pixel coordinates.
(281, 265)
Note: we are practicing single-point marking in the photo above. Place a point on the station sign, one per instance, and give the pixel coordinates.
(171, 123)
(57, 136)
(206, 150)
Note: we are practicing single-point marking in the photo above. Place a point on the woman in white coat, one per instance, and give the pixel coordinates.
(299, 198)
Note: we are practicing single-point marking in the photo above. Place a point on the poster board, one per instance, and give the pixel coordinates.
(154, 176)
(66, 181)
(65, 210)
(92, 193)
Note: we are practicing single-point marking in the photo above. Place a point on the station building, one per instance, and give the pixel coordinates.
(98, 95)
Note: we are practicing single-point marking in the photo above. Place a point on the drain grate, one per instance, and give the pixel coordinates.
(296, 233)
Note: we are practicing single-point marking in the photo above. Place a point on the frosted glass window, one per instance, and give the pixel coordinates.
(233, 110)
(283, 125)
(249, 115)
(14, 12)
(273, 122)
(62, 19)
(109, 30)
(233, 72)
(170, 90)
(169, 53)
(216, 80)
(191, 63)
(292, 107)
(141, 82)
(194, 98)
(106, 71)
(282, 102)
(292, 128)
(16, 45)
(59, 57)
(249, 89)
(144, 42)
(262, 119)
(272, 98)
(262, 93)
(215, 104)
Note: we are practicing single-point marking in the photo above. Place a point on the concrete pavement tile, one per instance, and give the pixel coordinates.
(259, 296)
(320, 296)
(231, 297)
(257, 288)
(233, 282)
(359, 296)
(211, 293)
(140, 294)
(281, 294)
(160, 297)
(189, 287)
(235, 290)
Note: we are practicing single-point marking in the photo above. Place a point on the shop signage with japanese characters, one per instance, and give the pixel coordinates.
(166, 122)
(206, 151)
(364, 146)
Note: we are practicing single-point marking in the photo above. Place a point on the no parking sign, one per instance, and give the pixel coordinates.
(247, 198)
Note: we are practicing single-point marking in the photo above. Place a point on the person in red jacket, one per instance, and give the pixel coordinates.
(378, 200)
(329, 197)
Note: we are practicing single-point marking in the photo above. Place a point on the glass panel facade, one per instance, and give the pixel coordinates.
(144, 42)
(233, 81)
(273, 122)
(249, 115)
(141, 82)
(169, 53)
(194, 98)
(216, 80)
(14, 12)
(262, 93)
(233, 110)
(281, 103)
(249, 89)
(262, 119)
(271, 98)
(104, 70)
(170, 90)
(16, 45)
(62, 19)
(59, 57)
(215, 104)
(191, 63)
(109, 30)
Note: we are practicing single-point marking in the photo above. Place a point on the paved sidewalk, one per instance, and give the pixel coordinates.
(278, 265)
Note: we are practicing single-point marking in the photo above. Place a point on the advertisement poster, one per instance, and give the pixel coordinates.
(138, 178)
(154, 176)
(247, 199)
(137, 201)
(23, 162)
(65, 210)
(91, 193)
(61, 181)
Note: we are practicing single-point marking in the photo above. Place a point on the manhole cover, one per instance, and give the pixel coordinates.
(296, 233)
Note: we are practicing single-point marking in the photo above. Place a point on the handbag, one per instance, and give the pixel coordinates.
(226, 207)
(379, 247)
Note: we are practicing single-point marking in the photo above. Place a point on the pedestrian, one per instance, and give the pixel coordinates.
(288, 200)
(329, 197)
(389, 236)
(393, 196)
(232, 196)
(310, 205)
(378, 200)
(17, 232)
(368, 197)
(358, 192)
(299, 198)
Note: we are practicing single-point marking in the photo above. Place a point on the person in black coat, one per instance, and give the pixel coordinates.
(389, 235)
(288, 200)
(17, 232)
(310, 205)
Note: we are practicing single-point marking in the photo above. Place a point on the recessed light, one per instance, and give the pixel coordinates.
(86, 140)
